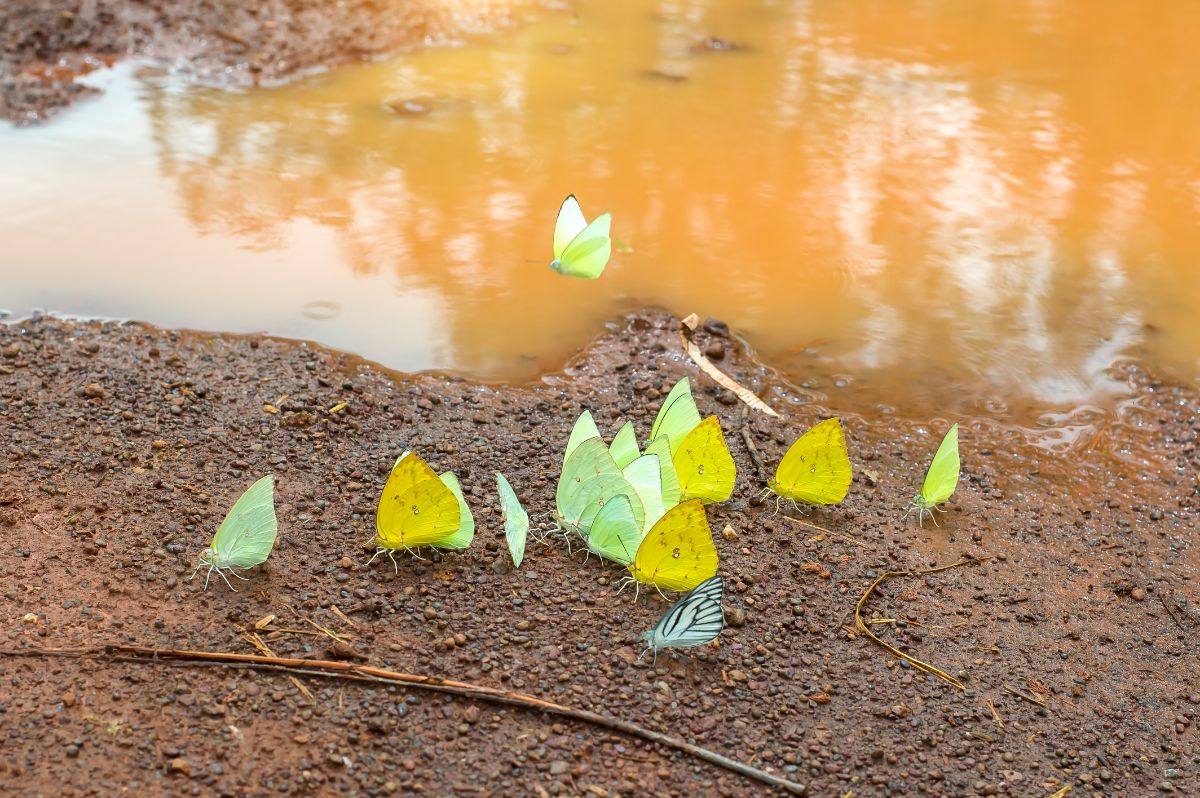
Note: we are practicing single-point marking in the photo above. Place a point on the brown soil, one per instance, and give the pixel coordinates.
(124, 445)
(45, 45)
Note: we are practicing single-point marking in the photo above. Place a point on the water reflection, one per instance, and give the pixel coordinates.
(959, 206)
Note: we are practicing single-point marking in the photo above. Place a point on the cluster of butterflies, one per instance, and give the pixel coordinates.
(643, 508)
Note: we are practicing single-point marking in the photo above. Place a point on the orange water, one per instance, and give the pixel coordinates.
(947, 203)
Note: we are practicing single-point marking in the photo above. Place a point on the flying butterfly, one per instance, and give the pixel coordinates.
(581, 249)
(703, 464)
(246, 536)
(816, 469)
(694, 620)
(516, 520)
(940, 480)
(678, 552)
(420, 508)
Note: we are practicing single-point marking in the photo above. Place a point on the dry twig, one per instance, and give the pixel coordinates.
(330, 669)
(861, 625)
(686, 328)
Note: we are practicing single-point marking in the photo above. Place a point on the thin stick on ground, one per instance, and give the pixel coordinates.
(369, 674)
(991, 705)
(1025, 696)
(688, 326)
(755, 456)
(843, 535)
(862, 626)
(253, 639)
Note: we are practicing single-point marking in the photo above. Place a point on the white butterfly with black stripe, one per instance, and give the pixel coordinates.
(696, 619)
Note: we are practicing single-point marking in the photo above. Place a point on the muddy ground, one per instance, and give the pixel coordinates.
(46, 45)
(122, 447)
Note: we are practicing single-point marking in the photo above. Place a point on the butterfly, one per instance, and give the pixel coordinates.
(590, 479)
(616, 533)
(678, 552)
(816, 469)
(624, 446)
(694, 620)
(420, 508)
(703, 464)
(940, 480)
(580, 249)
(516, 520)
(246, 536)
(661, 447)
(677, 417)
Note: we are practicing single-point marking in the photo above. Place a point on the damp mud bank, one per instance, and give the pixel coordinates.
(47, 45)
(1071, 626)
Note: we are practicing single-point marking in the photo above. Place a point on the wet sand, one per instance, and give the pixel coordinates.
(46, 45)
(1073, 633)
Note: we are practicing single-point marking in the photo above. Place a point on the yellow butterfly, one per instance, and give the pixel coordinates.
(704, 465)
(420, 508)
(816, 470)
(678, 552)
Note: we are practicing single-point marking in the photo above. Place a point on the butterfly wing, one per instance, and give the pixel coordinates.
(643, 473)
(465, 533)
(678, 415)
(247, 535)
(588, 254)
(615, 533)
(416, 507)
(585, 427)
(516, 520)
(694, 620)
(569, 224)
(661, 446)
(624, 446)
(678, 553)
(704, 465)
(816, 469)
(942, 477)
(589, 479)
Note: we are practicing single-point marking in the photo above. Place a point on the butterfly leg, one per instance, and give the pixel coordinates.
(226, 578)
(208, 575)
(378, 551)
(392, 557)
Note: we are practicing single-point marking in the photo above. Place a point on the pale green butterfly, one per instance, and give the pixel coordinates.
(940, 480)
(678, 415)
(516, 520)
(466, 523)
(246, 536)
(615, 534)
(580, 249)
(589, 479)
(661, 446)
(646, 478)
(624, 446)
(585, 427)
